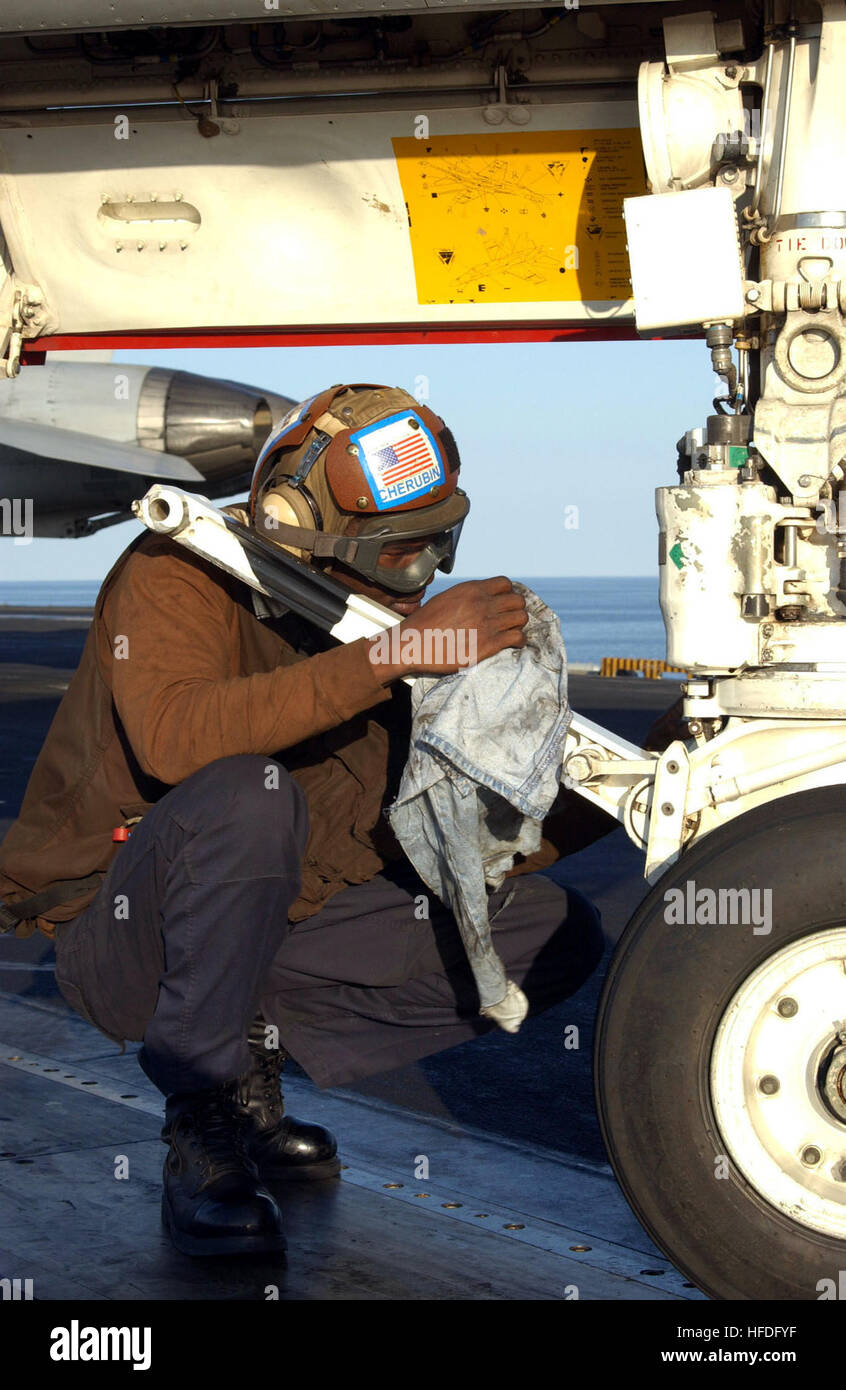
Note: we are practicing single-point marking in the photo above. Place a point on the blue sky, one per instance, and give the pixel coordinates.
(562, 444)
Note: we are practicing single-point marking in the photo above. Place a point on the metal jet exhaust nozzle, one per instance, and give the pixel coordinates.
(219, 426)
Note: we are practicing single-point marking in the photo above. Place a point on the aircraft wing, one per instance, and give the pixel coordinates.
(71, 446)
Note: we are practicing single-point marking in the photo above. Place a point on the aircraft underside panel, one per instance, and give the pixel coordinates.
(46, 16)
(130, 221)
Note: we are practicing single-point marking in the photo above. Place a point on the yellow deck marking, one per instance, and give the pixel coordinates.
(508, 217)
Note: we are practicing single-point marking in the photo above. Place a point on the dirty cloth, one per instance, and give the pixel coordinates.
(484, 767)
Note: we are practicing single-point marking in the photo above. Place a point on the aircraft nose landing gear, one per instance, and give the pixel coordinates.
(834, 1084)
(731, 1035)
(775, 1081)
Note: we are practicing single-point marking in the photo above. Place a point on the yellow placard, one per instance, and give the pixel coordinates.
(528, 215)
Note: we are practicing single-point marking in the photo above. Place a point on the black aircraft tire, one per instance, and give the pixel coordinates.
(667, 991)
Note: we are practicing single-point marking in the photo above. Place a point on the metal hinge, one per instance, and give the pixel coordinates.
(26, 319)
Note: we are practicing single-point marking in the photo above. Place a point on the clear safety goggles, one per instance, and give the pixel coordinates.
(382, 544)
(376, 546)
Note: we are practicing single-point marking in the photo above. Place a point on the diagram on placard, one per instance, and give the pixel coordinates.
(532, 215)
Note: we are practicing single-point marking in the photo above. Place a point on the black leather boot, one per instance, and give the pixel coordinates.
(283, 1148)
(213, 1201)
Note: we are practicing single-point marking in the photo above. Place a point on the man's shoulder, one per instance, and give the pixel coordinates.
(159, 563)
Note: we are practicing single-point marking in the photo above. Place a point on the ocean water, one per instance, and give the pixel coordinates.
(602, 617)
(46, 593)
(599, 617)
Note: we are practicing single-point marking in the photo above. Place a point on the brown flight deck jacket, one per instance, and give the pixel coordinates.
(178, 671)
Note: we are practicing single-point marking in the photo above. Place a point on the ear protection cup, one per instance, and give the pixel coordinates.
(293, 506)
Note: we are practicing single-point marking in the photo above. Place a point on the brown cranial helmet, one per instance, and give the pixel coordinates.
(356, 469)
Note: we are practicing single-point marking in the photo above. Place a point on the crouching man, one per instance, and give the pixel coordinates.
(203, 830)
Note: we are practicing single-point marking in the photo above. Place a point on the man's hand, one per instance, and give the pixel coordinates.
(460, 627)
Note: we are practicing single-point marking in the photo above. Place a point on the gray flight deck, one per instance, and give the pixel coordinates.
(475, 1174)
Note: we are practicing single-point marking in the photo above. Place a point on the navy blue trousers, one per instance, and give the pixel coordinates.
(188, 937)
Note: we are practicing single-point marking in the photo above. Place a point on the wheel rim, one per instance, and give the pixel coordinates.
(778, 1077)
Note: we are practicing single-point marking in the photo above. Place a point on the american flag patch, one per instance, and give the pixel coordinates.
(400, 459)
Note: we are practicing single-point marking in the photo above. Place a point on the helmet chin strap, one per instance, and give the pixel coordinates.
(318, 543)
